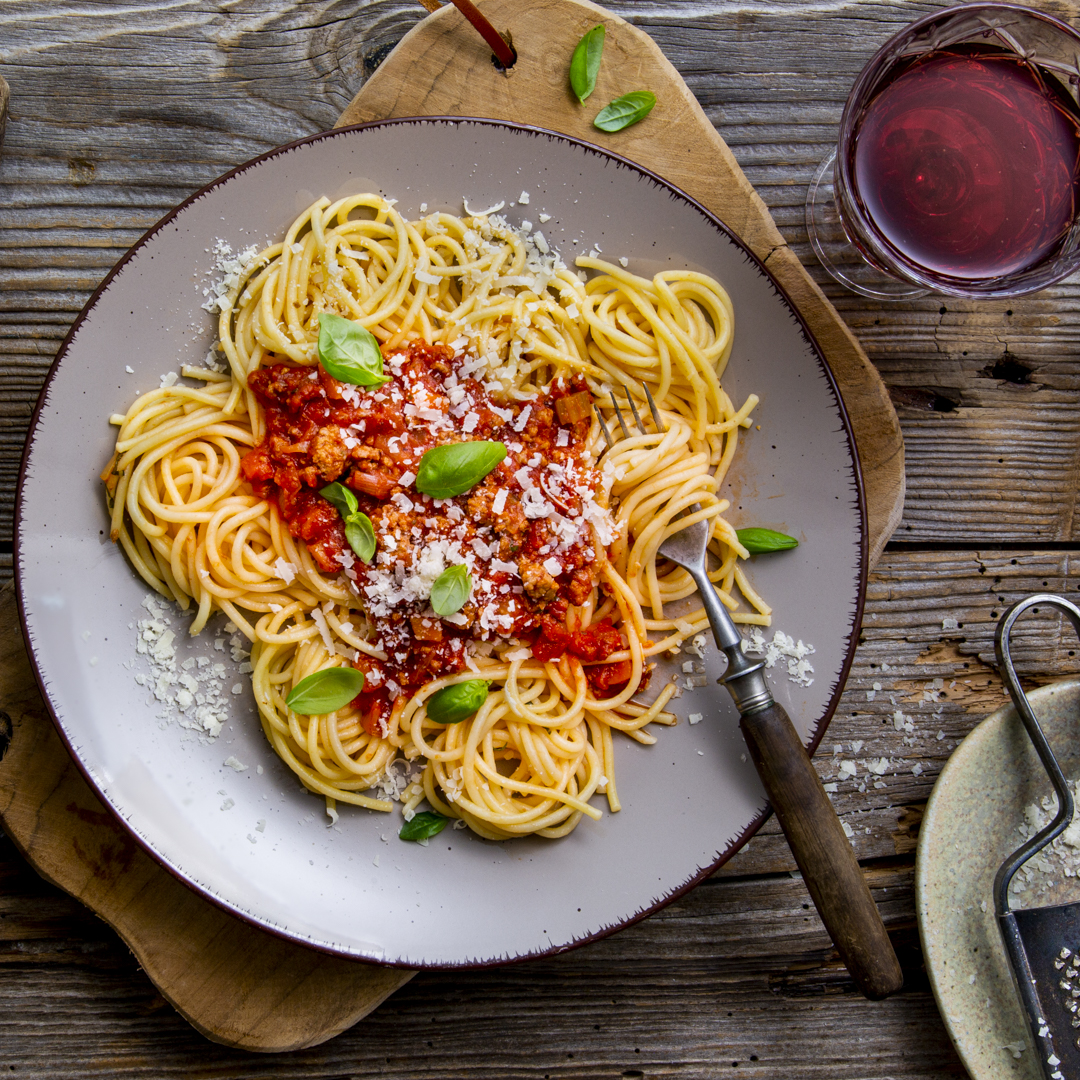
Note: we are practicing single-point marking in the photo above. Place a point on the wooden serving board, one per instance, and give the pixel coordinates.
(442, 67)
(244, 987)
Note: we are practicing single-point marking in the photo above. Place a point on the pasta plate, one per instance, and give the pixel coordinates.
(223, 813)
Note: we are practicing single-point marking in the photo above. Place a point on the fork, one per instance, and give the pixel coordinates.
(813, 830)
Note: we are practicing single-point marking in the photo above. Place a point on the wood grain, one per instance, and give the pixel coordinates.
(449, 72)
(237, 985)
(119, 111)
(747, 942)
(86, 852)
(162, 100)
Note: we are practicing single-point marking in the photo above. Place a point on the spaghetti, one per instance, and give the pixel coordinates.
(216, 495)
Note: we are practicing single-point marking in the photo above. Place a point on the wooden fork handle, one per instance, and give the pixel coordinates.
(822, 851)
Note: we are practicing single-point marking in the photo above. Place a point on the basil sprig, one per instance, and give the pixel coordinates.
(349, 351)
(585, 63)
(358, 528)
(452, 704)
(760, 541)
(451, 589)
(325, 691)
(625, 110)
(454, 468)
(423, 826)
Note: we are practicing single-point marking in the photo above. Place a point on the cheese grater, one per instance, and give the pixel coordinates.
(1043, 944)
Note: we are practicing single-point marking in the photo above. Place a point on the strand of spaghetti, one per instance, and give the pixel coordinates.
(601, 735)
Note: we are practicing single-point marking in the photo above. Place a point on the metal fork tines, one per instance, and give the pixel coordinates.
(660, 426)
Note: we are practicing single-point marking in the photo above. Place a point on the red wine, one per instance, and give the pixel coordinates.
(968, 165)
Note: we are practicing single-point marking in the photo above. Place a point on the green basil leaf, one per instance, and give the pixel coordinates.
(454, 468)
(349, 352)
(585, 63)
(451, 589)
(423, 826)
(325, 691)
(626, 110)
(452, 704)
(760, 541)
(341, 497)
(361, 535)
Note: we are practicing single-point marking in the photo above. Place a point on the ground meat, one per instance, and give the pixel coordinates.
(539, 584)
(328, 452)
(480, 506)
(580, 588)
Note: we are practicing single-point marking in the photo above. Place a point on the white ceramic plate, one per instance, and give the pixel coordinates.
(688, 803)
(970, 827)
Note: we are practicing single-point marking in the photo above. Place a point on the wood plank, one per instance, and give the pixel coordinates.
(443, 68)
(91, 178)
(904, 649)
(736, 971)
(162, 101)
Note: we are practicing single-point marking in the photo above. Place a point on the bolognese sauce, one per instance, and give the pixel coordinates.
(525, 532)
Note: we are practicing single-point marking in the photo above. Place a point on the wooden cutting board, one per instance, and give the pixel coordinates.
(442, 67)
(241, 986)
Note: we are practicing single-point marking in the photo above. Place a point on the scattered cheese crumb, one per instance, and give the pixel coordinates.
(482, 213)
(799, 668)
(234, 763)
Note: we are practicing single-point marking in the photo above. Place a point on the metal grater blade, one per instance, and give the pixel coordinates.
(1050, 938)
(1042, 943)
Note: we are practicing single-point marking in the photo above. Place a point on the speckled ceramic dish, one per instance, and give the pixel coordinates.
(252, 840)
(971, 825)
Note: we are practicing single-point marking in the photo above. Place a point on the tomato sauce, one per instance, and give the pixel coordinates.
(524, 531)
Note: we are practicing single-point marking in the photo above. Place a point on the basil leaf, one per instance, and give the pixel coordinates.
(759, 541)
(585, 63)
(454, 468)
(451, 589)
(341, 497)
(349, 352)
(423, 826)
(361, 535)
(452, 704)
(626, 110)
(325, 691)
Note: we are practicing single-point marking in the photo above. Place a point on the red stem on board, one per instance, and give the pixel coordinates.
(503, 53)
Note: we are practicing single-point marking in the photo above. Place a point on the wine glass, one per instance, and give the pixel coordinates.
(957, 170)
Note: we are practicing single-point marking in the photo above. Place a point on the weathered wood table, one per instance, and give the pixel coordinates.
(119, 111)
